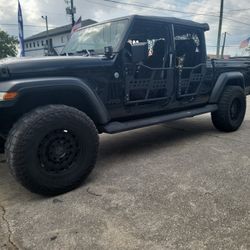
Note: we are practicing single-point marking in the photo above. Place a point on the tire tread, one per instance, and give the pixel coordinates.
(220, 117)
(18, 137)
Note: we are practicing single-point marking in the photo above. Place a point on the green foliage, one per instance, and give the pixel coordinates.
(8, 45)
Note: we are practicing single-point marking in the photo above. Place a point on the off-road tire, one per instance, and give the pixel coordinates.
(2, 142)
(224, 119)
(29, 157)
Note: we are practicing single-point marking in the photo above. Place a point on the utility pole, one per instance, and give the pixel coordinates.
(220, 28)
(223, 46)
(47, 32)
(71, 10)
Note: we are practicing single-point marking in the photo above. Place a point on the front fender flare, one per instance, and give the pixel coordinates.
(23, 86)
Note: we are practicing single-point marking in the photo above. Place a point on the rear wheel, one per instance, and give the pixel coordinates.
(231, 110)
(52, 149)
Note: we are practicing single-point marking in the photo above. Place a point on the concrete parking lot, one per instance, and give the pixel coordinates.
(181, 185)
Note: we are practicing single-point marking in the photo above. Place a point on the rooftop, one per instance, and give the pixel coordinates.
(59, 30)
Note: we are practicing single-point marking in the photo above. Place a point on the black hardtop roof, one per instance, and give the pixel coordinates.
(174, 20)
(170, 20)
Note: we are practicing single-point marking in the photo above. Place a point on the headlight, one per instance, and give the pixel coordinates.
(7, 96)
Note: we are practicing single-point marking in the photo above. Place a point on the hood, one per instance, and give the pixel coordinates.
(50, 65)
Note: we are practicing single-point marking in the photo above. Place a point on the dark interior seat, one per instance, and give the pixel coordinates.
(187, 49)
(156, 59)
(127, 53)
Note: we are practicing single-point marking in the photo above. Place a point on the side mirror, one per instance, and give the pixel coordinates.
(139, 52)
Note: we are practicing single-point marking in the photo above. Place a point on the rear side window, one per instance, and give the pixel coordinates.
(188, 46)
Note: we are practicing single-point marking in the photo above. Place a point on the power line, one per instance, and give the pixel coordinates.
(102, 4)
(175, 11)
(158, 8)
(212, 14)
(233, 20)
(27, 25)
(235, 10)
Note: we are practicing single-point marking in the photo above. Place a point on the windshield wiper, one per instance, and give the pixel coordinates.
(87, 52)
(67, 54)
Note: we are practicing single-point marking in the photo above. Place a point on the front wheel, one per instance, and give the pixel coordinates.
(231, 109)
(52, 149)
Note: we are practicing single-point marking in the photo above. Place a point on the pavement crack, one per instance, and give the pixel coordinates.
(12, 243)
(93, 193)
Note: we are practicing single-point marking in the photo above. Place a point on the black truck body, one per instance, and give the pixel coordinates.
(152, 70)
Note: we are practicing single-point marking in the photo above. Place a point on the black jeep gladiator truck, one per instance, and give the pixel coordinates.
(111, 77)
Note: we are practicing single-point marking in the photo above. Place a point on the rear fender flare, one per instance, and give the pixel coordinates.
(223, 80)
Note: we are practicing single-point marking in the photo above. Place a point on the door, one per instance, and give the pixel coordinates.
(190, 60)
(150, 81)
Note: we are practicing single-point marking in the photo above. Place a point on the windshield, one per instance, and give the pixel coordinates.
(94, 39)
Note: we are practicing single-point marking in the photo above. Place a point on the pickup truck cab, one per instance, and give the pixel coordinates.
(111, 77)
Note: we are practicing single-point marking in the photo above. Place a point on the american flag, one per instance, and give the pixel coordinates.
(77, 25)
(244, 43)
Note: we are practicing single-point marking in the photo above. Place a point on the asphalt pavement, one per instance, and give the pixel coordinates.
(180, 185)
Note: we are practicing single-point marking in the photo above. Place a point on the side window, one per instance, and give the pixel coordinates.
(190, 60)
(188, 46)
(156, 35)
(148, 79)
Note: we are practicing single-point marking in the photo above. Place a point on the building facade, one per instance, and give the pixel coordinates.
(43, 44)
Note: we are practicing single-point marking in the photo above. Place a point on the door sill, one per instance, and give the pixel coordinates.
(117, 127)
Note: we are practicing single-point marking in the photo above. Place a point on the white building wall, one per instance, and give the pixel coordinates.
(35, 48)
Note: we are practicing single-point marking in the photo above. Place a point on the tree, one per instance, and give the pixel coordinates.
(8, 45)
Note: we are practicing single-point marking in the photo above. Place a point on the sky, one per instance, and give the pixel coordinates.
(236, 16)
